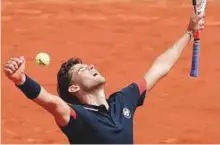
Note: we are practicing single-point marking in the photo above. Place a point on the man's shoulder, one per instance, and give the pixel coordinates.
(116, 96)
(124, 91)
(77, 107)
(84, 115)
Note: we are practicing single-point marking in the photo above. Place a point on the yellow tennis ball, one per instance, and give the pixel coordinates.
(43, 59)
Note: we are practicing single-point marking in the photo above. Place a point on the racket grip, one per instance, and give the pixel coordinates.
(195, 58)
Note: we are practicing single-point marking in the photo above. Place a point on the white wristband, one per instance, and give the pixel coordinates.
(190, 34)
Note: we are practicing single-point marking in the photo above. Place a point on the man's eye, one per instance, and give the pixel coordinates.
(82, 70)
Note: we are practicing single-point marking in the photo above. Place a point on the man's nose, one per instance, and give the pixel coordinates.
(91, 66)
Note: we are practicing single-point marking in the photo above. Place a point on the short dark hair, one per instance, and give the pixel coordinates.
(64, 80)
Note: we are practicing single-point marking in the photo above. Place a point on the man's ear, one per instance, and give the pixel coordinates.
(73, 88)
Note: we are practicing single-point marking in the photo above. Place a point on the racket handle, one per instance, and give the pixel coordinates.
(195, 58)
(194, 2)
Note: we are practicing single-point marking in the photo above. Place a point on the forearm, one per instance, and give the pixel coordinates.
(163, 63)
(29, 87)
(171, 55)
(14, 70)
(34, 91)
(53, 104)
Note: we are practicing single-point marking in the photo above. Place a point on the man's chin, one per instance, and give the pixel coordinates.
(101, 79)
(101, 82)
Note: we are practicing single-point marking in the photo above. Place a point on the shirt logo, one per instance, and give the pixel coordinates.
(126, 113)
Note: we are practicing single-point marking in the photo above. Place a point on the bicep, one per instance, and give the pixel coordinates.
(55, 105)
(155, 73)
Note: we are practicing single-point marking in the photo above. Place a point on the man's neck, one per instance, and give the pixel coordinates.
(96, 97)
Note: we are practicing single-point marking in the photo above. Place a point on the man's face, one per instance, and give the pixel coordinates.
(86, 77)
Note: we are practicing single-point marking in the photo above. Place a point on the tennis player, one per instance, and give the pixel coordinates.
(82, 110)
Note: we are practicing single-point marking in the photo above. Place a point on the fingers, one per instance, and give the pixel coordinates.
(201, 26)
(8, 71)
(19, 60)
(15, 59)
(196, 18)
(13, 64)
(10, 66)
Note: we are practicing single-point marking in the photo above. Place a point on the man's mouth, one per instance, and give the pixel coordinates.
(95, 74)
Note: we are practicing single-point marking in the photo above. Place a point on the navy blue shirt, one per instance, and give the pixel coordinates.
(91, 124)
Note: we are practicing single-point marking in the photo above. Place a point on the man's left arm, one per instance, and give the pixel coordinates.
(135, 93)
(163, 63)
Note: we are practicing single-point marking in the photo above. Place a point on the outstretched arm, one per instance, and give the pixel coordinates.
(163, 63)
(14, 70)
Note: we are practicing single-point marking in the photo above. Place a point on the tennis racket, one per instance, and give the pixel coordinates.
(199, 8)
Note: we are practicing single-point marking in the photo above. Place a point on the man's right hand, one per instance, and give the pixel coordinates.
(14, 70)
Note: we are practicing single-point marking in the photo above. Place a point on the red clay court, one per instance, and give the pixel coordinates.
(121, 38)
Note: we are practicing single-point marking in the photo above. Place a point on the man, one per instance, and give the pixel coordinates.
(82, 111)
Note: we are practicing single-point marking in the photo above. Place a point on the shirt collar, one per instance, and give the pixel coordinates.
(100, 108)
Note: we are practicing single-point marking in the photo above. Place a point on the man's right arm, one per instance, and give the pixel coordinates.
(55, 105)
(14, 70)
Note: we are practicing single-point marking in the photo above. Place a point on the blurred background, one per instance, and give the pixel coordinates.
(121, 38)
